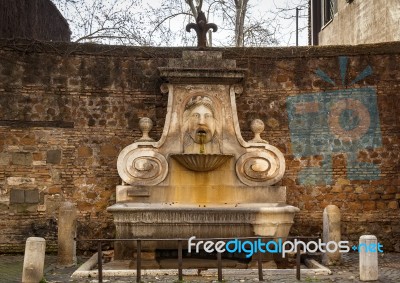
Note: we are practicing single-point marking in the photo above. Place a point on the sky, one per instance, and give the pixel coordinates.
(283, 23)
(288, 36)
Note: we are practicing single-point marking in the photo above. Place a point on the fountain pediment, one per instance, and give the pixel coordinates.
(201, 119)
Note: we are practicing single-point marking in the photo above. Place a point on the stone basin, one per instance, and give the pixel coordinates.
(174, 220)
(201, 162)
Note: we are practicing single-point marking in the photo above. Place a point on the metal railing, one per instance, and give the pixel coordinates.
(180, 254)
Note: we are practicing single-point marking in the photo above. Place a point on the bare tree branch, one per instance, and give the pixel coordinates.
(163, 22)
(165, 19)
(192, 8)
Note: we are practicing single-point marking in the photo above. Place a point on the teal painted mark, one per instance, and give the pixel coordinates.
(361, 170)
(327, 123)
(365, 73)
(324, 76)
(343, 68)
(317, 175)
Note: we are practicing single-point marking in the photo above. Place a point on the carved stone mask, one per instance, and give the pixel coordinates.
(201, 121)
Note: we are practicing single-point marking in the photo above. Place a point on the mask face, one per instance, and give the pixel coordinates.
(201, 124)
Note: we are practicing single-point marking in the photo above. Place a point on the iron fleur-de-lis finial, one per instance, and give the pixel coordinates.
(201, 27)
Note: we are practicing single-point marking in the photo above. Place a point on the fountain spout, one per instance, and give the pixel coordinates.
(202, 138)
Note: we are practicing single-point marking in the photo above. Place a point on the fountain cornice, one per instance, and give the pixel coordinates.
(208, 67)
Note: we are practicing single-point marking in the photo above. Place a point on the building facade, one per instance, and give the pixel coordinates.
(350, 22)
(32, 19)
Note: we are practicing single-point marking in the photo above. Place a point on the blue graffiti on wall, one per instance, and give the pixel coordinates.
(341, 121)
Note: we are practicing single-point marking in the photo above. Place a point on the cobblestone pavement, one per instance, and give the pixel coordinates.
(389, 271)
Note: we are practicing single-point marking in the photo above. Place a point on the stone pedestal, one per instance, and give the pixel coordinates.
(368, 258)
(66, 235)
(331, 232)
(135, 220)
(35, 249)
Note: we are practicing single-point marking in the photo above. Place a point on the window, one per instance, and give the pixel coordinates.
(329, 9)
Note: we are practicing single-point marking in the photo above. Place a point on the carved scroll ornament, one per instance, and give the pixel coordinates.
(142, 166)
(261, 167)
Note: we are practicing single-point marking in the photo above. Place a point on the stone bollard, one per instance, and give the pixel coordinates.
(331, 232)
(367, 248)
(35, 249)
(66, 235)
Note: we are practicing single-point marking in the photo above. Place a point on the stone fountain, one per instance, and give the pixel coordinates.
(201, 178)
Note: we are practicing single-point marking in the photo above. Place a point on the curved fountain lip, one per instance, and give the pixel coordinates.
(201, 162)
(271, 208)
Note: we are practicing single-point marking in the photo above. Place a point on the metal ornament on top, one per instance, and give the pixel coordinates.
(201, 27)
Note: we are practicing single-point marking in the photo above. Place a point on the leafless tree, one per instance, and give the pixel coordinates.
(245, 27)
(103, 21)
(144, 22)
(287, 11)
(235, 18)
(240, 15)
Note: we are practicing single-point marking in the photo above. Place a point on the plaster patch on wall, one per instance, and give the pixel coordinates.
(331, 122)
(17, 181)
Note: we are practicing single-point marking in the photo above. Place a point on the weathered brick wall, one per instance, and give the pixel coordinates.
(66, 111)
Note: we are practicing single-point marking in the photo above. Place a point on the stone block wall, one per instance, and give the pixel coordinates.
(67, 110)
